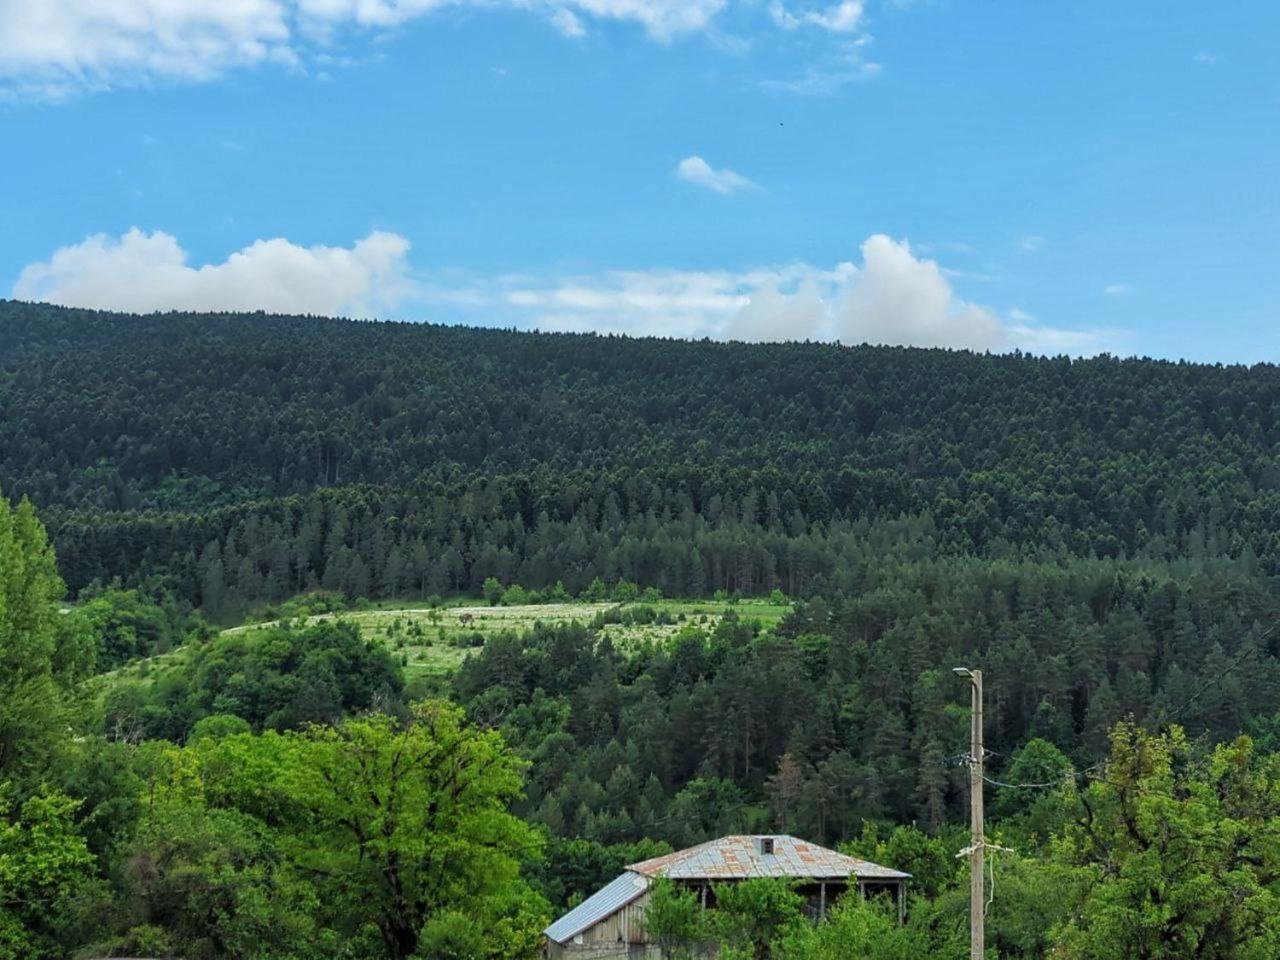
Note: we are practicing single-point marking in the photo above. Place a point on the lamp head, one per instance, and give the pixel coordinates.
(962, 671)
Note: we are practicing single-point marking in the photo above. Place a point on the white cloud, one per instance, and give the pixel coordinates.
(57, 47)
(661, 19)
(899, 299)
(697, 171)
(1116, 289)
(1031, 243)
(843, 17)
(840, 59)
(892, 297)
(143, 272)
(821, 80)
(1055, 341)
(568, 23)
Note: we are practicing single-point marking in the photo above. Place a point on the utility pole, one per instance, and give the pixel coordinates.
(977, 832)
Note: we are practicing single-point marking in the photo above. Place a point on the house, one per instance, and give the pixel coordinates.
(610, 923)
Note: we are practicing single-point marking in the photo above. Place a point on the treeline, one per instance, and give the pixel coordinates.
(382, 544)
(372, 542)
(155, 437)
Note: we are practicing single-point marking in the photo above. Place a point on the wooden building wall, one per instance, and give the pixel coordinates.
(621, 934)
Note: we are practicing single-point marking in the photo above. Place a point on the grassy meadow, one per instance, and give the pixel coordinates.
(435, 640)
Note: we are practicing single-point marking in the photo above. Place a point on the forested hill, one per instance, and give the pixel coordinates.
(1099, 537)
(145, 439)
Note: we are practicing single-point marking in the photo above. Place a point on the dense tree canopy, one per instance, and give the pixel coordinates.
(848, 710)
(277, 677)
(251, 456)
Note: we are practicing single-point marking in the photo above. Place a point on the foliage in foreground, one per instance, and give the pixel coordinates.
(1182, 853)
(390, 837)
(368, 834)
(366, 837)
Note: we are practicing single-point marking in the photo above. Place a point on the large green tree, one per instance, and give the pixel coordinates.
(33, 659)
(865, 931)
(47, 882)
(1183, 849)
(410, 820)
(395, 824)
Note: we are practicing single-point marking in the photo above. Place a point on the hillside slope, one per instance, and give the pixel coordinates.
(148, 441)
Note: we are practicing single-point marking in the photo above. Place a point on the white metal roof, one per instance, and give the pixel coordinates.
(606, 901)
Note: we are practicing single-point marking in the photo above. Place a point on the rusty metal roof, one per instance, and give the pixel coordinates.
(741, 857)
(605, 902)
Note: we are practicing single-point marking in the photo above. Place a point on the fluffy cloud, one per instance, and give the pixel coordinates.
(892, 297)
(143, 272)
(59, 46)
(899, 299)
(55, 47)
(697, 171)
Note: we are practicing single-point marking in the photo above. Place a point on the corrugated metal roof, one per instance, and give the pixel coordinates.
(740, 857)
(603, 903)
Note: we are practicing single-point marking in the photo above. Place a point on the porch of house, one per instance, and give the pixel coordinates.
(820, 895)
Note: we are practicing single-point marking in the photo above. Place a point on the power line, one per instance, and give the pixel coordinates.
(1166, 716)
(1026, 786)
(1245, 652)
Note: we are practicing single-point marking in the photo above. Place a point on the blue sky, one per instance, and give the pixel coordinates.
(1059, 177)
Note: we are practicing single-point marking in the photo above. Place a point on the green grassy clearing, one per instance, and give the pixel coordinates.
(435, 641)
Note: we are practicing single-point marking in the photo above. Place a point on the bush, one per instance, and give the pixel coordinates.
(675, 920)
(515, 596)
(855, 929)
(752, 915)
(312, 604)
(218, 725)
